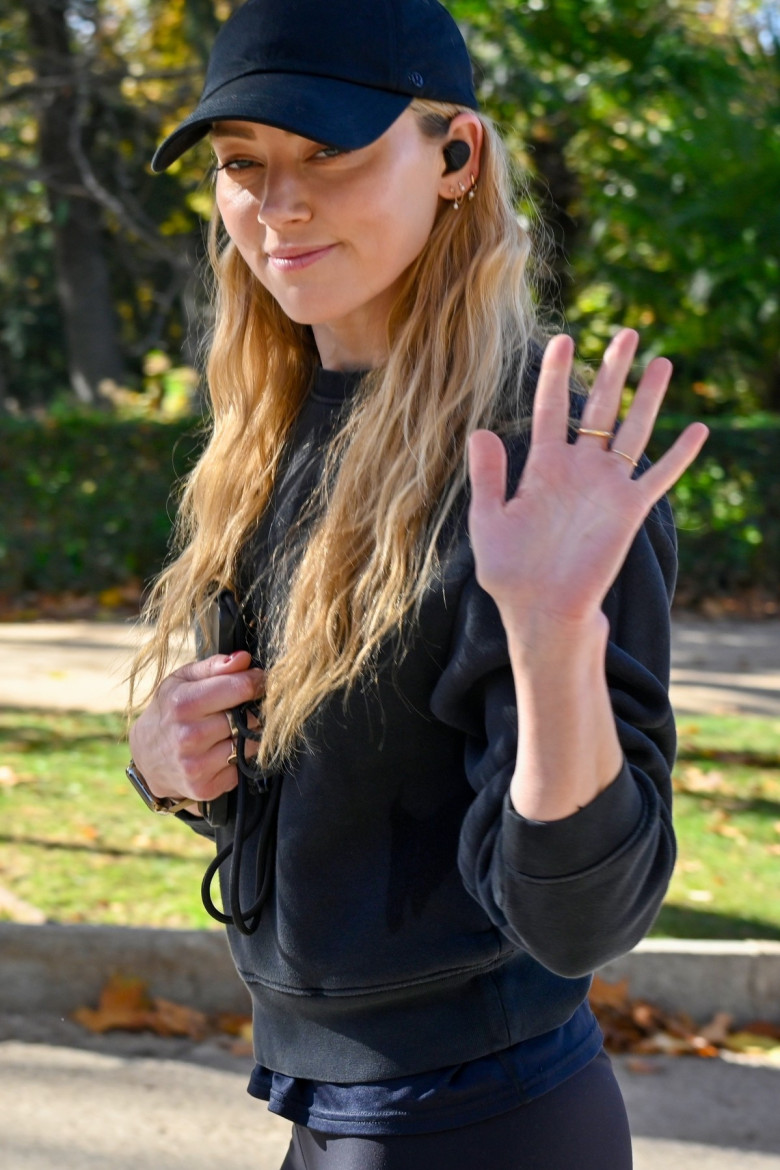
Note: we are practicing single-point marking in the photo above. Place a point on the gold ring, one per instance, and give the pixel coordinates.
(598, 434)
(623, 455)
(231, 724)
(232, 757)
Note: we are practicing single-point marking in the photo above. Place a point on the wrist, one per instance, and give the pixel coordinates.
(158, 804)
(540, 640)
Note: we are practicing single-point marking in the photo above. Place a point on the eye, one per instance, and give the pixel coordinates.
(330, 152)
(237, 164)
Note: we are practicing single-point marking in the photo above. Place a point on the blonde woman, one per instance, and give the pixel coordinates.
(438, 776)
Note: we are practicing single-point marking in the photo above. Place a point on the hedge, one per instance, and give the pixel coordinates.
(87, 504)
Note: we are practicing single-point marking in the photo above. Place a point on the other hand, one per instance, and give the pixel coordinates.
(182, 742)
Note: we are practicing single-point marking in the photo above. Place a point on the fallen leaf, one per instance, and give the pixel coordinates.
(175, 1019)
(636, 1065)
(752, 1044)
(605, 994)
(763, 1028)
(125, 1005)
(718, 1028)
(234, 1024)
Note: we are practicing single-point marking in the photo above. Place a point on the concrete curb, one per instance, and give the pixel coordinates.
(56, 968)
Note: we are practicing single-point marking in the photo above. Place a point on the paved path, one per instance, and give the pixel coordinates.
(718, 666)
(74, 1109)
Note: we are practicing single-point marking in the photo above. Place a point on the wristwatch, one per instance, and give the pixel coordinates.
(158, 804)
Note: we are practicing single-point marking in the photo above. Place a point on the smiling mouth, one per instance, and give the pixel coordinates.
(293, 259)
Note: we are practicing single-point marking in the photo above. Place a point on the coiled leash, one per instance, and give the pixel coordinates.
(256, 797)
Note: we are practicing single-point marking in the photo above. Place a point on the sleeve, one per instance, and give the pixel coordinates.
(579, 891)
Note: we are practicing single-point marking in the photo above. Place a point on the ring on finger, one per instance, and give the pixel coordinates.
(598, 434)
(233, 756)
(231, 724)
(623, 454)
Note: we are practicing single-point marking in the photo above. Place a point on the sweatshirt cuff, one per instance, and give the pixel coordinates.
(556, 849)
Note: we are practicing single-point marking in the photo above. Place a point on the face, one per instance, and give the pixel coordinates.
(330, 233)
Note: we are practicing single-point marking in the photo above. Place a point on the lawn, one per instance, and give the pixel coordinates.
(79, 846)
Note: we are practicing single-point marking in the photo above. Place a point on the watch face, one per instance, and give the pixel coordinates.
(157, 804)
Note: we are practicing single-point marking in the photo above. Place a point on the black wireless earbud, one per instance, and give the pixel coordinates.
(456, 155)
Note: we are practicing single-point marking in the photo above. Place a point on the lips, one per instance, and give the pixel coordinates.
(292, 259)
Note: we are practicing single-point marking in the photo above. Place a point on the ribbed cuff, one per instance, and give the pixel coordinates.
(556, 849)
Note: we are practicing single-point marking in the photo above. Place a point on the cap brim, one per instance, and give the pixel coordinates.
(335, 113)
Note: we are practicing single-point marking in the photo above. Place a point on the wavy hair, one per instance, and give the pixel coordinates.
(459, 337)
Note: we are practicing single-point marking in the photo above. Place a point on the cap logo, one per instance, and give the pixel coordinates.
(417, 79)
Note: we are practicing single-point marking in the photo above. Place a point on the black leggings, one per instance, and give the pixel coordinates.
(580, 1125)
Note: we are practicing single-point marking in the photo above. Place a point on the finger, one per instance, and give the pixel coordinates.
(663, 475)
(487, 471)
(195, 699)
(603, 404)
(637, 427)
(215, 664)
(551, 401)
(224, 778)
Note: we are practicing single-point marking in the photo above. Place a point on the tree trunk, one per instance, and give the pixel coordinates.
(82, 280)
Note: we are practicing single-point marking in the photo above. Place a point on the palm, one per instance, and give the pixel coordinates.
(557, 545)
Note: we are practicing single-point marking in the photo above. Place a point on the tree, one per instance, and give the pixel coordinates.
(652, 132)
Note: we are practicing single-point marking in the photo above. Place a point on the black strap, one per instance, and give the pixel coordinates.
(257, 805)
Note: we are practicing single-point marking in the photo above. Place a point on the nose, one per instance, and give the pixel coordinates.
(283, 199)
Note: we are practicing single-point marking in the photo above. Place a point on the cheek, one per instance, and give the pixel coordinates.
(238, 212)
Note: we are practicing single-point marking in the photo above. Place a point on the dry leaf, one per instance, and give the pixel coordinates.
(125, 1005)
(718, 1028)
(175, 1019)
(635, 1064)
(234, 1024)
(604, 994)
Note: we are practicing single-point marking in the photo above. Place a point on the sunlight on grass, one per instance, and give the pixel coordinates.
(77, 842)
(78, 845)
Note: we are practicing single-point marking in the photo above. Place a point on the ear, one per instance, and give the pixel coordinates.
(460, 170)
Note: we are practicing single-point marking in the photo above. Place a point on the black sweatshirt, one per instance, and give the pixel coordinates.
(416, 920)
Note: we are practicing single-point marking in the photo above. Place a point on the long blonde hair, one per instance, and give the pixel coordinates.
(459, 336)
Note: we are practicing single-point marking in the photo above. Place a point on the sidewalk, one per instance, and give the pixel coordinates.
(724, 666)
(130, 1102)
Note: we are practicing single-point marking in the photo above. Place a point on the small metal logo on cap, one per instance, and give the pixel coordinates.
(417, 79)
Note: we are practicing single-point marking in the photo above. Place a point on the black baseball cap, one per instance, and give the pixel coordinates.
(336, 71)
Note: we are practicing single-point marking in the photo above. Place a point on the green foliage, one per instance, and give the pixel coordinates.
(653, 130)
(727, 509)
(87, 500)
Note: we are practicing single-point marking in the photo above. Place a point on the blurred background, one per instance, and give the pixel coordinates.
(649, 131)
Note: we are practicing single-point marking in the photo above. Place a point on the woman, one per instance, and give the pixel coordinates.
(460, 802)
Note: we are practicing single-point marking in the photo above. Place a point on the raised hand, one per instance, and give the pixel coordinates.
(551, 552)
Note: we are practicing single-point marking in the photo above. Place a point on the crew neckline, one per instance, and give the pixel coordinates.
(335, 385)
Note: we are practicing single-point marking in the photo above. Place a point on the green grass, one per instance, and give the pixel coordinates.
(76, 842)
(727, 815)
